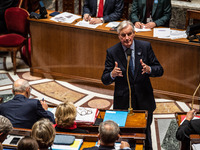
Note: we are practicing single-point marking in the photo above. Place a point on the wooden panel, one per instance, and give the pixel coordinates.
(61, 51)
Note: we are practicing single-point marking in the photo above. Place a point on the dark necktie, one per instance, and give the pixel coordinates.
(132, 62)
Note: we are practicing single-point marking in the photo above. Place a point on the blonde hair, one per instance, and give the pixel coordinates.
(65, 114)
(44, 133)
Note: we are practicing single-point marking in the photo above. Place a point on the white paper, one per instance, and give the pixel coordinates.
(88, 114)
(141, 30)
(175, 34)
(112, 24)
(9, 139)
(65, 17)
(84, 23)
(196, 146)
(161, 32)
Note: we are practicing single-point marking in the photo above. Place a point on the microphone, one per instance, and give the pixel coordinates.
(194, 95)
(130, 109)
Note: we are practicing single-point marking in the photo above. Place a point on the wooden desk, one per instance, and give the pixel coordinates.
(89, 140)
(63, 51)
(134, 124)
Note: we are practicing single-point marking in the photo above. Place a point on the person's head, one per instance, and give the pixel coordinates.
(126, 33)
(44, 133)
(108, 132)
(22, 87)
(5, 128)
(65, 114)
(27, 143)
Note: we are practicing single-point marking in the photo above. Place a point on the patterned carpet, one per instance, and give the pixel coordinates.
(55, 92)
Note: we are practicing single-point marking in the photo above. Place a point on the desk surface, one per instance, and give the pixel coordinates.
(89, 140)
(78, 54)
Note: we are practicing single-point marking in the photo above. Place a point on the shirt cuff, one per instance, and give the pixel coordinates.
(111, 76)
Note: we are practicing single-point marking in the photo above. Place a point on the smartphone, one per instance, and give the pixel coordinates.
(54, 13)
(14, 141)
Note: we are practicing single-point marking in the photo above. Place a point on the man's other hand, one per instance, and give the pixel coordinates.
(44, 104)
(116, 71)
(87, 17)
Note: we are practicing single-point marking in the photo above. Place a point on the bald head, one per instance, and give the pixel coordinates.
(20, 86)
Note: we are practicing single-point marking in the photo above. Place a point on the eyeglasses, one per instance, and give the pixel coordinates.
(83, 111)
(128, 34)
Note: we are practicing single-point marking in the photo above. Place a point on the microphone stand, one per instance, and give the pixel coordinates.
(130, 109)
(194, 95)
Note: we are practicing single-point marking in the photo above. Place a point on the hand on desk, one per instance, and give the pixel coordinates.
(149, 25)
(124, 145)
(87, 17)
(95, 21)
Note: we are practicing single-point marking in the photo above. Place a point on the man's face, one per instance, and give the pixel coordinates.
(126, 36)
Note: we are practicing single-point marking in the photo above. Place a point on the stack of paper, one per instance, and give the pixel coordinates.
(75, 146)
(65, 17)
(86, 115)
(167, 33)
(84, 23)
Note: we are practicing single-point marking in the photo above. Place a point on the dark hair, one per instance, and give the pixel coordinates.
(27, 143)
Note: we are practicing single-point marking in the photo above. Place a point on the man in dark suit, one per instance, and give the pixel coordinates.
(151, 13)
(22, 111)
(112, 10)
(144, 64)
(188, 127)
(108, 134)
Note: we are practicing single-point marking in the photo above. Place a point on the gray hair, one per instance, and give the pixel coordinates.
(123, 25)
(22, 87)
(108, 131)
(5, 125)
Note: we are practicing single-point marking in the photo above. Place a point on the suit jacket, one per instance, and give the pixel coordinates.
(142, 92)
(187, 128)
(112, 11)
(161, 12)
(24, 112)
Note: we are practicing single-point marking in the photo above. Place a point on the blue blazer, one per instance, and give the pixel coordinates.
(112, 11)
(142, 92)
(161, 12)
(24, 112)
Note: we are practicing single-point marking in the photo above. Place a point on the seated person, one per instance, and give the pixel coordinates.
(27, 143)
(5, 128)
(150, 13)
(22, 111)
(108, 134)
(103, 10)
(65, 118)
(44, 133)
(188, 127)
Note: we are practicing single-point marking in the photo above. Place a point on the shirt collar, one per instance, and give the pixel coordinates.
(132, 46)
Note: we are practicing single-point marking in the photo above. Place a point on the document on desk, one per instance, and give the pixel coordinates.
(65, 17)
(117, 116)
(161, 32)
(112, 24)
(75, 146)
(196, 146)
(141, 30)
(84, 23)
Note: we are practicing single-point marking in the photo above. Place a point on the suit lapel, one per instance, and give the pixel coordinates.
(154, 7)
(138, 56)
(95, 6)
(105, 5)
